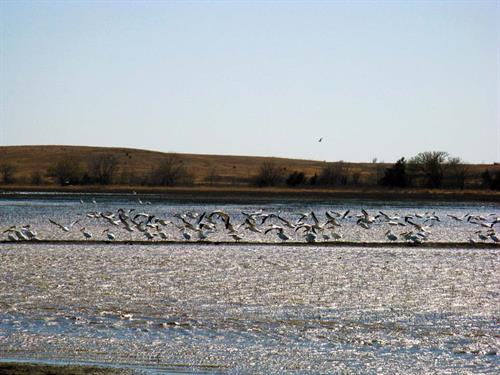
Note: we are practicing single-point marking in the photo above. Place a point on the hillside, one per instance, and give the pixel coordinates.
(230, 170)
(135, 168)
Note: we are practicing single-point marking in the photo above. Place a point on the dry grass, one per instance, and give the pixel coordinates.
(235, 174)
(231, 169)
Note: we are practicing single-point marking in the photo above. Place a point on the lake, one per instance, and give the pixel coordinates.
(186, 307)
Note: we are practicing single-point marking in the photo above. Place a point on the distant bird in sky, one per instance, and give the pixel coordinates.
(319, 140)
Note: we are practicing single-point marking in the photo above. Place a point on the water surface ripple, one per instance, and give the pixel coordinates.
(264, 308)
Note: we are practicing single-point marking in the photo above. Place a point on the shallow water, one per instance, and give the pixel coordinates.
(66, 209)
(264, 308)
(241, 308)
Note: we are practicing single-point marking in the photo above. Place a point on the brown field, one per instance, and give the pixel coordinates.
(235, 174)
(232, 170)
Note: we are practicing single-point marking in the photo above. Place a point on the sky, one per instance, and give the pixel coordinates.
(373, 79)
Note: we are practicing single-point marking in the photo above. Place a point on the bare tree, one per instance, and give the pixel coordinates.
(355, 178)
(270, 174)
(102, 168)
(212, 177)
(334, 174)
(456, 173)
(36, 178)
(395, 176)
(430, 165)
(171, 171)
(66, 171)
(7, 172)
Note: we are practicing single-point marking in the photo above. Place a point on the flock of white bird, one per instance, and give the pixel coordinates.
(192, 226)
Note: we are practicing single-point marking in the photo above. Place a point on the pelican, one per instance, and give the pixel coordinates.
(250, 225)
(236, 237)
(86, 234)
(493, 236)
(310, 237)
(12, 236)
(332, 220)
(64, 228)
(109, 235)
(286, 222)
(390, 236)
(457, 218)
(163, 235)
(282, 236)
(203, 235)
(15, 234)
(149, 235)
(28, 232)
(481, 236)
(335, 235)
(363, 224)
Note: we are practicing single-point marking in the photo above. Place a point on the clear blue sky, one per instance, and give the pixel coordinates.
(374, 79)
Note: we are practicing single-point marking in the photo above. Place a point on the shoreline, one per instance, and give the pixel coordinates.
(325, 244)
(251, 194)
(42, 368)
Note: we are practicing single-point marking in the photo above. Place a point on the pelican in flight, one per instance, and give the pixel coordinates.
(282, 236)
(64, 228)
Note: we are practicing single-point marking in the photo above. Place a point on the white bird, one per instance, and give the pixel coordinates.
(310, 237)
(28, 232)
(281, 235)
(86, 234)
(109, 235)
(250, 225)
(390, 236)
(149, 235)
(493, 236)
(458, 218)
(332, 220)
(335, 235)
(163, 235)
(12, 236)
(236, 237)
(64, 228)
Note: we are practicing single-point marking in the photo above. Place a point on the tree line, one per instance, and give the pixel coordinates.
(433, 169)
(102, 169)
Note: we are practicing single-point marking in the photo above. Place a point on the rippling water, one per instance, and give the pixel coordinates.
(65, 210)
(266, 308)
(258, 308)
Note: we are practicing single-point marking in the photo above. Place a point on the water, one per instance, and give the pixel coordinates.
(241, 308)
(65, 210)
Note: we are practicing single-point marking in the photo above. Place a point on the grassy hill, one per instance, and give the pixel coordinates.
(229, 170)
(134, 167)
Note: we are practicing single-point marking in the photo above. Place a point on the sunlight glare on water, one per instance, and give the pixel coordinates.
(271, 309)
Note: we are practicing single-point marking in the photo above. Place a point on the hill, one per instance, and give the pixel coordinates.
(213, 175)
(220, 169)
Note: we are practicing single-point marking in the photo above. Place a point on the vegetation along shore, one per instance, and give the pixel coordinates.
(77, 169)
